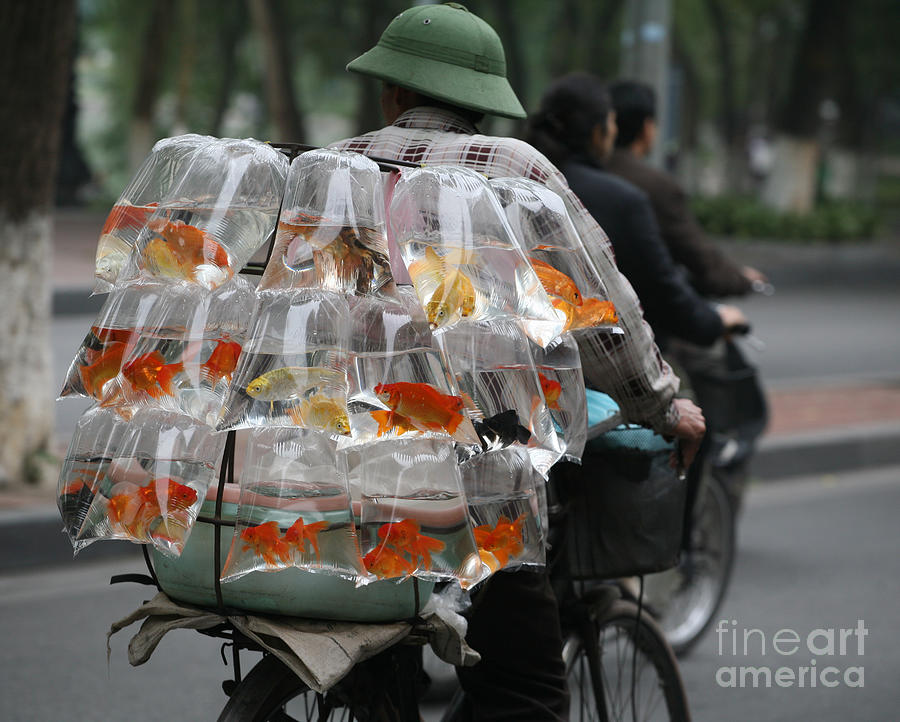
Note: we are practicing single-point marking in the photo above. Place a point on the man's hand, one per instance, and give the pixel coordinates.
(753, 275)
(732, 317)
(690, 429)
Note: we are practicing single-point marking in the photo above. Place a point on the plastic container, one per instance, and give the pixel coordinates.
(191, 578)
(331, 231)
(462, 255)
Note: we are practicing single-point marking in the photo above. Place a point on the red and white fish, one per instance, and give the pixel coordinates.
(422, 404)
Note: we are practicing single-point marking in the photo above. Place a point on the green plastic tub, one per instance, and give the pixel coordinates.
(292, 592)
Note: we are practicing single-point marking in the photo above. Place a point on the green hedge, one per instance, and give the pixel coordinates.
(747, 217)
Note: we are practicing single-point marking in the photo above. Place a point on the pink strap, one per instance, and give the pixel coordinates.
(398, 267)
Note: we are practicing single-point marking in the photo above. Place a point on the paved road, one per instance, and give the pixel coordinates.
(813, 554)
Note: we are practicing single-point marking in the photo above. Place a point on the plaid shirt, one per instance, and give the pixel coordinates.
(627, 367)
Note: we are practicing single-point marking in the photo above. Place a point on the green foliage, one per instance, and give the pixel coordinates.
(748, 218)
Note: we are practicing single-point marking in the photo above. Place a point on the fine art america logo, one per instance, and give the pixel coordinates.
(817, 658)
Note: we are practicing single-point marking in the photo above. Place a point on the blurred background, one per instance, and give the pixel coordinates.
(780, 117)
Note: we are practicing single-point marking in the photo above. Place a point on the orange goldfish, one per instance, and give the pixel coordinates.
(222, 361)
(179, 497)
(104, 336)
(178, 249)
(552, 389)
(594, 312)
(135, 511)
(106, 366)
(303, 225)
(453, 290)
(423, 404)
(265, 541)
(556, 282)
(391, 421)
(404, 536)
(504, 540)
(567, 308)
(126, 215)
(149, 372)
(299, 533)
(388, 564)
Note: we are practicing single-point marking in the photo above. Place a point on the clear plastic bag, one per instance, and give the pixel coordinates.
(295, 508)
(141, 198)
(189, 350)
(155, 482)
(539, 219)
(413, 512)
(124, 318)
(293, 369)
(96, 439)
(331, 229)
(495, 370)
(221, 210)
(501, 490)
(399, 382)
(559, 372)
(462, 255)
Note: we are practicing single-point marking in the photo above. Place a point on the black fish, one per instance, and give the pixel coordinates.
(501, 430)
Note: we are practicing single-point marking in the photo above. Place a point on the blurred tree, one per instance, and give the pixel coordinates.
(36, 38)
(233, 18)
(74, 171)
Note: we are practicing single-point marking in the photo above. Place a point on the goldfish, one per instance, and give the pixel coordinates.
(150, 373)
(125, 215)
(552, 389)
(178, 249)
(404, 536)
(556, 282)
(453, 289)
(422, 404)
(299, 533)
(105, 367)
(303, 224)
(567, 308)
(221, 362)
(504, 540)
(266, 542)
(501, 430)
(391, 421)
(387, 563)
(594, 312)
(134, 512)
(293, 381)
(322, 412)
(353, 261)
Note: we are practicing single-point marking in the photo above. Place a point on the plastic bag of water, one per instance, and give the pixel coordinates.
(494, 368)
(502, 491)
(462, 256)
(140, 198)
(96, 439)
(331, 229)
(294, 508)
(155, 482)
(413, 516)
(216, 215)
(293, 369)
(539, 218)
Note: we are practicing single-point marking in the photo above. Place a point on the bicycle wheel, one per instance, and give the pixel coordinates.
(658, 693)
(685, 600)
(271, 692)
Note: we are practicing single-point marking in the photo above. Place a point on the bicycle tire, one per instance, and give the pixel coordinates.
(685, 600)
(618, 632)
(265, 692)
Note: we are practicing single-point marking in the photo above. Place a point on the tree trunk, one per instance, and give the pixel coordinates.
(516, 73)
(150, 71)
(228, 39)
(187, 62)
(278, 80)
(36, 39)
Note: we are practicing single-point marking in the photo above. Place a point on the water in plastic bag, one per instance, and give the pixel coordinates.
(121, 322)
(413, 512)
(495, 369)
(294, 508)
(96, 439)
(293, 369)
(559, 372)
(539, 218)
(155, 482)
(462, 256)
(138, 201)
(502, 493)
(189, 350)
(400, 384)
(221, 210)
(331, 229)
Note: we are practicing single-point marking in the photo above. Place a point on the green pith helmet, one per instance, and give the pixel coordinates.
(447, 53)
